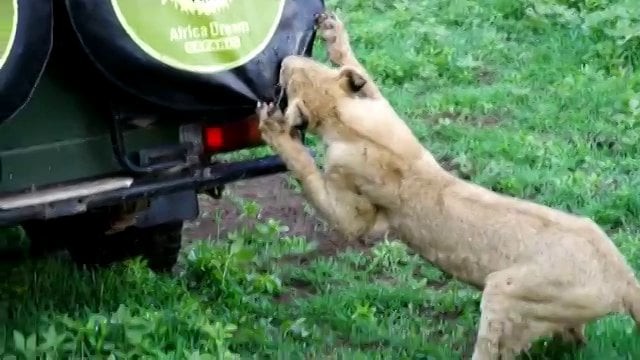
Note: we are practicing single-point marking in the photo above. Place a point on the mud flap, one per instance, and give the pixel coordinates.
(179, 206)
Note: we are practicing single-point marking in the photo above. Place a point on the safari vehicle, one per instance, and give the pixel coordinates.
(113, 114)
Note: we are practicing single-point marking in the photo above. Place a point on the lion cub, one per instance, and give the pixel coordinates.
(541, 271)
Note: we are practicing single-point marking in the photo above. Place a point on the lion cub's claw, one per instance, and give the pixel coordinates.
(265, 110)
(325, 20)
(272, 121)
(328, 25)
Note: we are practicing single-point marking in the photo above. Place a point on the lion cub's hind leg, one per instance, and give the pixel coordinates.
(520, 305)
(573, 335)
(503, 331)
(330, 194)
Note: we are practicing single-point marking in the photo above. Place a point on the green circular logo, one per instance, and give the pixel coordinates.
(200, 35)
(8, 26)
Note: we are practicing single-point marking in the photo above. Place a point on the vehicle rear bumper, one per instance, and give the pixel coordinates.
(81, 197)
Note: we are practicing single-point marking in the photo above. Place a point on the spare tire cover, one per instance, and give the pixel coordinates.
(25, 44)
(195, 55)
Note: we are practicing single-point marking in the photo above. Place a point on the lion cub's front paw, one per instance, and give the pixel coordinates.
(329, 26)
(331, 30)
(273, 123)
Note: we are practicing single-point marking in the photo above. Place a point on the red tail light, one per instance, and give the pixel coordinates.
(234, 135)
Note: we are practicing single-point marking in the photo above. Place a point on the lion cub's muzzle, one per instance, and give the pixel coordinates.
(282, 102)
(281, 97)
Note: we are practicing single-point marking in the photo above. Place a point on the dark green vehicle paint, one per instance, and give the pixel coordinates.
(62, 135)
(77, 84)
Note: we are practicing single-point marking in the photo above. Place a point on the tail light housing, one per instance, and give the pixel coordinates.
(232, 135)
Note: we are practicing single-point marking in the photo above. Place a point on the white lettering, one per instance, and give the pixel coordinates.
(212, 45)
(182, 33)
(214, 30)
(221, 29)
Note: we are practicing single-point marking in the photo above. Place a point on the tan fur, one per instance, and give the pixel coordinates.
(541, 271)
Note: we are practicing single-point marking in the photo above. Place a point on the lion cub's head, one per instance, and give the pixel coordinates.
(322, 89)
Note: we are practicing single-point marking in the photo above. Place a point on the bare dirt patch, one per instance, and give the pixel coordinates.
(277, 200)
(450, 164)
(296, 289)
(485, 76)
(470, 119)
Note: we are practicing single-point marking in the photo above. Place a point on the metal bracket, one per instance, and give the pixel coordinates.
(120, 152)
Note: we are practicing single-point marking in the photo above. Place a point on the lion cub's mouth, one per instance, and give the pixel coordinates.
(281, 97)
(282, 103)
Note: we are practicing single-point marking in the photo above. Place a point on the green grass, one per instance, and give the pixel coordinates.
(537, 99)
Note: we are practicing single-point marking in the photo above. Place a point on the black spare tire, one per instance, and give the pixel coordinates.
(195, 55)
(25, 44)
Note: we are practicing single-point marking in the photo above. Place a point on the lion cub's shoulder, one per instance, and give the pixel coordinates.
(375, 121)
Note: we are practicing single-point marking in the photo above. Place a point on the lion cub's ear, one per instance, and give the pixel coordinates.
(351, 80)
